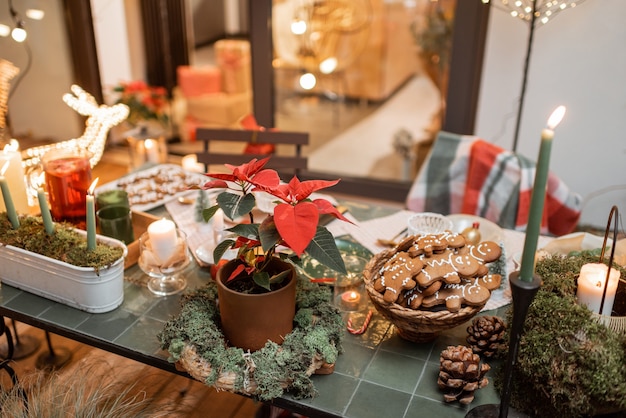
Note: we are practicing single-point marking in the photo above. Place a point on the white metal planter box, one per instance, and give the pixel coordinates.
(79, 287)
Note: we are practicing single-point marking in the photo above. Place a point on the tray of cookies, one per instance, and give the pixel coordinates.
(154, 186)
(430, 283)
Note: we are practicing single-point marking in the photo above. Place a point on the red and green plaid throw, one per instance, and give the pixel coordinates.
(465, 174)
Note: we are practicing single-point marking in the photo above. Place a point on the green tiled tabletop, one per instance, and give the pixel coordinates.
(378, 375)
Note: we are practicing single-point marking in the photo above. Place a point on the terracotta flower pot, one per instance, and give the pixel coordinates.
(250, 320)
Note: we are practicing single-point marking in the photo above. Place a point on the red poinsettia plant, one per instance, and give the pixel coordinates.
(144, 102)
(293, 226)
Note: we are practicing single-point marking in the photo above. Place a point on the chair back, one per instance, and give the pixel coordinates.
(465, 174)
(293, 162)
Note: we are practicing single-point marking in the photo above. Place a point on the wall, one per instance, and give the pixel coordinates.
(119, 40)
(578, 60)
(37, 105)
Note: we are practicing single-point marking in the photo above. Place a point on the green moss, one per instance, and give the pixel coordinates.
(65, 245)
(568, 364)
(318, 330)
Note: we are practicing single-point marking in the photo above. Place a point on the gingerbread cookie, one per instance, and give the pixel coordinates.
(397, 274)
(456, 295)
(413, 298)
(434, 243)
(490, 281)
(448, 266)
(484, 252)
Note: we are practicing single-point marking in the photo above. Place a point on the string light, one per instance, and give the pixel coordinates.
(531, 11)
(7, 72)
(100, 120)
(18, 33)
(545, 11)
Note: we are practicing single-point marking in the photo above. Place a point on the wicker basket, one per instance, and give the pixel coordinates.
(412, 324)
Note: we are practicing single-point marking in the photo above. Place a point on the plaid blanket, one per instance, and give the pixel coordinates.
(465, 174)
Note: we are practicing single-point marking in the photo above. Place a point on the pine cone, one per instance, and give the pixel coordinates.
(486, 335)
(461, 374)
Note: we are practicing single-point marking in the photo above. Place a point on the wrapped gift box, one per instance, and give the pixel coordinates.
(233, 59)
(197, 81)
(219, 108)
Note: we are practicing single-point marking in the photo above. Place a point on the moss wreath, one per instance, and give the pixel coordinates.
(196, 343)
(568, 363)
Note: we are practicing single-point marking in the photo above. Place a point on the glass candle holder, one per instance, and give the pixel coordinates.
(349, 293)
(165, 268)
(146, 148)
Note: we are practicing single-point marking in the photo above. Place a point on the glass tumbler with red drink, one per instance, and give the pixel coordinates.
(67, 178)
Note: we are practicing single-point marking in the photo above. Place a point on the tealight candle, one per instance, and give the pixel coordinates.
(91, 217)
(8, 201)
(591, 282)
(163, 238)
(351, 300)
(46, 216)
(190, 163)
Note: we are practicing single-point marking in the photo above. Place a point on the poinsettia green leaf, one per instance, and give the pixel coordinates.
(262, 278)
(221, 248)
(268, 234)
(246, 230)
(278, 278)
(323, 248)
(234, 205)
(208, 213)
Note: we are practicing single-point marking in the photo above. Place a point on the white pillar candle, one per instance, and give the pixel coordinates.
(591, 283)
(15, 179)
(163, 238)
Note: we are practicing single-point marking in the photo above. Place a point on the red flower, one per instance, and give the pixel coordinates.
(294, 223)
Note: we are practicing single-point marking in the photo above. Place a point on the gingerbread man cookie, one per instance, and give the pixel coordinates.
(455, 295)
(434, 243)
(489, 281)
(397, 274)
(413, 298)
(485, 252)
(448, 266)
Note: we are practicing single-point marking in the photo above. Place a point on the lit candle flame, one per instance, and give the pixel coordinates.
(556, 117)
(5, 167)
(93, 186)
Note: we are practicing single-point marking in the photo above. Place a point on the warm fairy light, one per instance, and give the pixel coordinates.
(35, 14)
(523, 9)
(18, 34)
(100, 119)
(298, 27)
(328, 65)
(307, 81)
(92, 188)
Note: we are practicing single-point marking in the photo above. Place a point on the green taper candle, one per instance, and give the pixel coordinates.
(8, 201)
(533, 227)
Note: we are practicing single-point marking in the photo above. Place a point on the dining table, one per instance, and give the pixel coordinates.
(377, 373)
